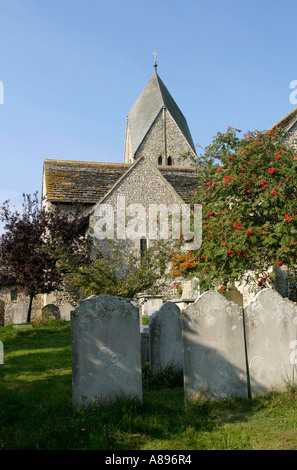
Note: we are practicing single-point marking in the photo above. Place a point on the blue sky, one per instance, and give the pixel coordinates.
(72, 69)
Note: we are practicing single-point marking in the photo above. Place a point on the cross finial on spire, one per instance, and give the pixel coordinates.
(155, 62)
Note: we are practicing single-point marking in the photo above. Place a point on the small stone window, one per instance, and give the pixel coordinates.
(160, 160)
(13, 294)
(143, 244)
(169, 161)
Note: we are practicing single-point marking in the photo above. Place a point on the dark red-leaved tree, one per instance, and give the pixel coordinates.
(27, 254)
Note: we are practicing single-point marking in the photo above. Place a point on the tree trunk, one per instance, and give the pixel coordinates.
(30, 308)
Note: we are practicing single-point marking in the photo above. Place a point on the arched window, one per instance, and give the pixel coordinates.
(160, 160)
(169, 161)
(13, 294)
(143, 244)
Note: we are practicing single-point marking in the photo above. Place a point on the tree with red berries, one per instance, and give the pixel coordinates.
(247, 188)
(27, 246)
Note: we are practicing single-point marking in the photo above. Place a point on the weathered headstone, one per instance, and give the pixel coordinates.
(65, 310)
(271, 323)
(282, 280)
(106, 357)
(187, 290)
(19, 313)
(166, 338)
(214, 350)
(50, 312)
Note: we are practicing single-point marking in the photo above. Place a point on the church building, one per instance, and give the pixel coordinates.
(158, 160)
(158, 166)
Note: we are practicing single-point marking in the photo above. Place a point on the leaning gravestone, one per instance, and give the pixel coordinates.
(271, 323)
(165, 338)
(213, 345)
(106, 357)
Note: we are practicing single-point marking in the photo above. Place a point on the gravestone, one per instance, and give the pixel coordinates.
(1, 313)
(187, 290)
(145, 346)
(166, 338)
(214, 350)
(271, 323)
(106, 357)
(65, 311)
(19, 313)
(282, 276)
(50, 312)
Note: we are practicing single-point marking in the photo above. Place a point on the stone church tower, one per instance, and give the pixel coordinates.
(157, 129)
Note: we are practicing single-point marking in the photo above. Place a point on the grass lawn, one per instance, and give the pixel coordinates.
(36, 410)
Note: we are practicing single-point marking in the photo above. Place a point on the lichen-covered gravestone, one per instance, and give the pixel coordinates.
(165, 338)
(271, 323)
(214, 351)
(106, 356)
(50, 312)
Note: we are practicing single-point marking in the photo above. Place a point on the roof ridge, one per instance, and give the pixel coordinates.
(81, 162)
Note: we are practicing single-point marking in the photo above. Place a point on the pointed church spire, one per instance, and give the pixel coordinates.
(156, 102)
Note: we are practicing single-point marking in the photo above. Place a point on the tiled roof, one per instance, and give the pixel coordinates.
(183, 180)
(287, 121)
(66, 180)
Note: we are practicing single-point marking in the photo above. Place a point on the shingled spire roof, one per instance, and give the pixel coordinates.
(143, 113)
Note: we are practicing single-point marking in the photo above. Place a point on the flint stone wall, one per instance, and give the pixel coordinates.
(271, 323)
(153, 144)
(214, 349)
(106, 353)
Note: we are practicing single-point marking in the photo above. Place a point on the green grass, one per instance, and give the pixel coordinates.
(36, 410)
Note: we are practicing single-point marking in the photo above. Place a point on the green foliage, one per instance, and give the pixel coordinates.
(118, 269)
(145, 319)
(247, 188)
